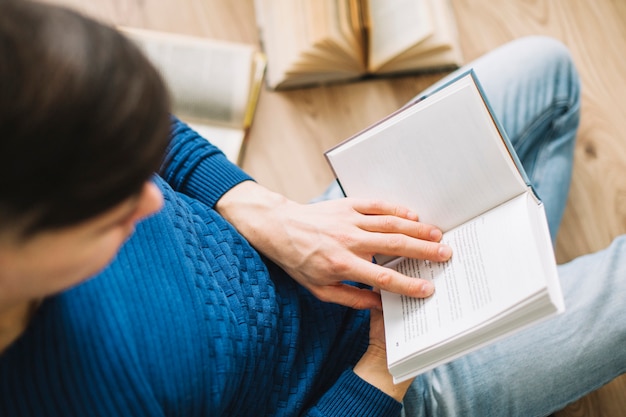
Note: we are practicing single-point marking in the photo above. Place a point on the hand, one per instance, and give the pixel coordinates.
(372, 367)
(323, 245)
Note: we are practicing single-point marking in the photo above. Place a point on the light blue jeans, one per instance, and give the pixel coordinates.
(533, 88)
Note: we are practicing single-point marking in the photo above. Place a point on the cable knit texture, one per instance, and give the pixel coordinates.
(189, 320)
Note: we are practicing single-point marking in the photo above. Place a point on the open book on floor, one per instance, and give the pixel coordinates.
(214, 84)
(447, 158)
(310, 42)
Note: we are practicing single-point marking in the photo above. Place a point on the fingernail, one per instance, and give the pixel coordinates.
(435, 235)
(428, 288)
(445, 251)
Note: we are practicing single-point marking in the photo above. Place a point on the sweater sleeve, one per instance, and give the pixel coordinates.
(195, 167)
(353, 396)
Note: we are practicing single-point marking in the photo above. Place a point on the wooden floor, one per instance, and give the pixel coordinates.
(292, 129)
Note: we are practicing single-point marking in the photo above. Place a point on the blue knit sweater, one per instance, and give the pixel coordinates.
(189, 320)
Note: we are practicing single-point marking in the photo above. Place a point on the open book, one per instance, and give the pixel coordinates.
(318, 41)
(214, 84)
(447, 158)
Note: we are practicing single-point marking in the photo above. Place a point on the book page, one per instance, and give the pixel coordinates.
(396, 25)
(354, 21)
(229, 140)
(307, 42)
(443, 158)
(492, 269)
(440, 50)
(327, 49)
(543, 241)
(208, 80)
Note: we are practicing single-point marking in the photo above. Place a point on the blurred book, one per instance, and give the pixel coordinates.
(310, 42)
(214, 84)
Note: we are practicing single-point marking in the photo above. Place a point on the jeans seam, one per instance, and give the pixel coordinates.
(562, 106)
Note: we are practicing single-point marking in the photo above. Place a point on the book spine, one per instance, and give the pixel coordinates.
(503, 135)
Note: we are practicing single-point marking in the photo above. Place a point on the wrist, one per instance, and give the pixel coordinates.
(247, 198)
(372, 367)
(249, 207)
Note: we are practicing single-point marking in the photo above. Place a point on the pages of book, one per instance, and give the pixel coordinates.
(308, 41)
(393, 33)
(438, 50)
(214, 84)
(491, 287)
(477, 174)
(229, 140)
(208, 79)
(447, 158)
(320, 41)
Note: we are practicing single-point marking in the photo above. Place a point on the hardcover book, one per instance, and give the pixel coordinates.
(447, 158)
(214, 84)
(310, 42)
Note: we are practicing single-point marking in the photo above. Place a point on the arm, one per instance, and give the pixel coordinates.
(320, 245)
(368, 389)
(323, 245)
(195, 167)
(372, 367)
(353, 396)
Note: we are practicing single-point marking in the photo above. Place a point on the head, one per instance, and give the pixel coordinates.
(84, 123)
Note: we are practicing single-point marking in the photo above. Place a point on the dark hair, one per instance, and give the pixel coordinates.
(84, 117)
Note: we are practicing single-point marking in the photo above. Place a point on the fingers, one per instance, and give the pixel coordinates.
(401, 245)
(349, 296)
(397, 244)
(377, 277)
(390, 280)
(376, 207)
(397, 234)
(393, 229)
(347, 234)
(393, 224)
(379, 216)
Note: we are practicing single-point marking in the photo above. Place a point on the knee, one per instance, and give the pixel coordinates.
(542, 48)
(551, 58)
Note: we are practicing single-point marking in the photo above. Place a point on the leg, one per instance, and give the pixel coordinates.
(547, 366)
(533, 88)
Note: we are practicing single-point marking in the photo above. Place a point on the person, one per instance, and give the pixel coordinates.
(142, 274)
